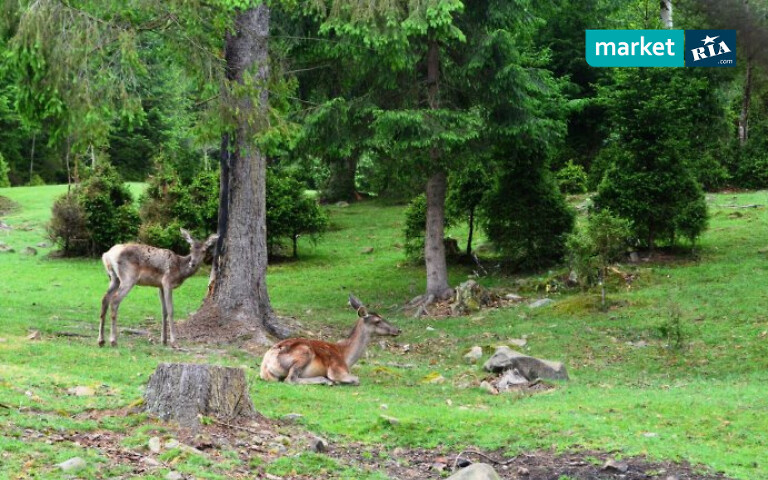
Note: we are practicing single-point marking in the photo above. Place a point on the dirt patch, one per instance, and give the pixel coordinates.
(7, 205)
(267, 440)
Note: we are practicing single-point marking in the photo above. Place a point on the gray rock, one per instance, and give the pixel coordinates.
(31, 251)
(530, 367)
(154, 444)
(292, 417)
(513, 297)
(174, 476)
(150, 462)
(72, 465)
(485, 385)
(476, 471)
(6, 248)
(43, 245)
(510, 379)
(616, 466)
(342, 204)
(543, 302)
(474, 355)
(469, 297)
(366, 250)
(518, 342)
(318, 445)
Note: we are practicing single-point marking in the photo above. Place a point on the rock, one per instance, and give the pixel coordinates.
(35, 335)
(172, 443)
(6, 249)
(292, 417)
(174, 476)
(518, 342)
(469, 297)
(513, 297)
(543, 302)
(530, 367)
(342, 204)
(476, 471)
(474, 355)
(634, 257)
(43, 245)
(81, 391)
(390, 420)
(318, 445)
(510, 379)
(523, 472)
(616, 466)
(72, 465)
(573, 278)
(366, 250)
(150, 462)
(31, 251)
(154, 445)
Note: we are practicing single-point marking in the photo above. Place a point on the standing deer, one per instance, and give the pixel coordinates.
(304, 361)
(135, 264)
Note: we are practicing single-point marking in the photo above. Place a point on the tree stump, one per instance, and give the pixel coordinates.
(183, 391)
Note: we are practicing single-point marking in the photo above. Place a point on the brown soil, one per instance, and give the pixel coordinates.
(271, 439)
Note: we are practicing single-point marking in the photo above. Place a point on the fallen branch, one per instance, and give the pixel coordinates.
(71, 334)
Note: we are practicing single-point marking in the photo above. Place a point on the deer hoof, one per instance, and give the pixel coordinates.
(101, 343)
(113, 343)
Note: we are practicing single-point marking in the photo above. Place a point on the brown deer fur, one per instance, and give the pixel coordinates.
(134, 264)
(305, 361)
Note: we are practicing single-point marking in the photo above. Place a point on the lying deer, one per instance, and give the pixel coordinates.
(304, 361)
(134, 264)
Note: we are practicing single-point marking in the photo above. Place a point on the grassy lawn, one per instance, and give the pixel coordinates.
(675, 369)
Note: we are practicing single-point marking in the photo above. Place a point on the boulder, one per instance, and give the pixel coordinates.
(530, 367)
(510, 379)
(476, 471)
(72, 465)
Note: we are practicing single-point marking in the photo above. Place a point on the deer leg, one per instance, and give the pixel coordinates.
(114, 304)
(168, 292)
(163, 324)
(342, 376)
(113, 284)
(301, 361)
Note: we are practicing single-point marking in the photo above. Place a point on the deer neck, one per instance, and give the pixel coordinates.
(354, 345)
(185, 268)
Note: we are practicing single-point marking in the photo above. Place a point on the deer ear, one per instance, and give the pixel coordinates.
(354, 302)
(211, 240)
(362, 312)
(187, 236)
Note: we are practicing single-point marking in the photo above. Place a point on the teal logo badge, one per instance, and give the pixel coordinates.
(710, 48)
(635, 48)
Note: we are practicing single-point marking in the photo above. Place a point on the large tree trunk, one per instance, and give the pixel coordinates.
(744, 115)
(341, 184)
(434, 248)
(237, 304)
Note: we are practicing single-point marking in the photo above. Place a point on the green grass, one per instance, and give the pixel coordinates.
(695, 392)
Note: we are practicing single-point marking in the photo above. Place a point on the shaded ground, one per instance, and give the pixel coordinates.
(269, 440)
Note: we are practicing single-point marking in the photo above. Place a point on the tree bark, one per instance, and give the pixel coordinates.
(744, 115)
(237, 304)
(182, 392)
(434, 248)
(471, 230)
(666, 14)
(341, 184)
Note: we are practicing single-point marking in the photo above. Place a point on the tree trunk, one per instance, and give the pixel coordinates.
(237, 304)
(434, 248)
(666, 14)
(471, 230)
(32, 158)
(182, 392)
(341, 184)
(744, 115)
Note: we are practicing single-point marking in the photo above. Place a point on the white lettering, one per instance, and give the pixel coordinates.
(605, 46)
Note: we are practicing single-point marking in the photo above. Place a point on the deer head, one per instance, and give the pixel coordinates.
(197, 249)
(374, 323)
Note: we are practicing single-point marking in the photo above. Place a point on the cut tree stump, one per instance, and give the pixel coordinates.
(183, 392)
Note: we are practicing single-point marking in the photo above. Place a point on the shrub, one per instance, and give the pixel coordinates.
(4, 169)
(291, 213)
(527, 217)
(169, 203)
(36, 181)
(415, 227)
(591, 249)
(97, 215)
(67, 228)
(572, 178)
